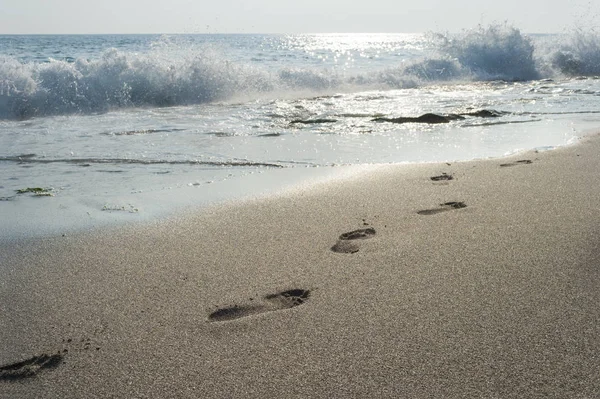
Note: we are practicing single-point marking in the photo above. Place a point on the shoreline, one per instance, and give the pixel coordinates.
(77, 214)
(67, 213)
(388, 284)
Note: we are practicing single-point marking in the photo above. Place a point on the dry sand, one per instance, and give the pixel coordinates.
(496, 299)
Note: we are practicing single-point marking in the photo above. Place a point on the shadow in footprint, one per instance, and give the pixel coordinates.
(346, 244)
(448, 206)
(235, 312)
(442, 177)
(282, 300)
(30, 367)
(516, 163)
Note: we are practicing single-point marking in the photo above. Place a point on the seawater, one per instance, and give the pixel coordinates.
(125, 127)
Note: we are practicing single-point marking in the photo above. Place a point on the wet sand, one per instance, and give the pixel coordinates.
(474, 279)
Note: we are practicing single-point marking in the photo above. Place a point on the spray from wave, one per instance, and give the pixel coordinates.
(170, 74)
(580, 55)
(498, 52)
(119, 80)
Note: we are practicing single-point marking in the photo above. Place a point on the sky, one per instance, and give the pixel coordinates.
(281, 16)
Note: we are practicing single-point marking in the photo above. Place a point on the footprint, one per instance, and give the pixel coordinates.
(345, 247)
(282, 300)
(448, 206)
(443, 176)
(358, 234)
(30, 367)
(346, 244)
(236, 312)
(288, 299)
(515, 163)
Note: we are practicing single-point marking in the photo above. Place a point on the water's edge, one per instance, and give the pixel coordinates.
(36, 217)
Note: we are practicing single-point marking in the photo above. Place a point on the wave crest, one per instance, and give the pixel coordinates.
(118, 80)
(170, 73)
(580, 56)
(496, 52)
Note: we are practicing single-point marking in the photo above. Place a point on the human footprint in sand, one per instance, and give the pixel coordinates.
(282, 300)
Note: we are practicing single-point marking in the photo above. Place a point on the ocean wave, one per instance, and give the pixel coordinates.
(497, 52)
(119, 80)
(580, 55)
(162, 77)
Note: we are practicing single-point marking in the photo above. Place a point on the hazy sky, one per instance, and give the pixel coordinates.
(281, 16)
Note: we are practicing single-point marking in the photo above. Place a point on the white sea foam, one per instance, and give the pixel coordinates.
(579, 55)
(170, 72)
(497, 52)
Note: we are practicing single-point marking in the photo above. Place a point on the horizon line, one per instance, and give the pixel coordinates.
(245, 33)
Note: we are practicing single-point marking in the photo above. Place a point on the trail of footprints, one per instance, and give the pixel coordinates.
(446, 206)
(347, 243)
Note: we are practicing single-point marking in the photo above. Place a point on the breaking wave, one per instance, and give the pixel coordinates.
(119, 80)
(580, 55)
(498, 52)
(157, 78)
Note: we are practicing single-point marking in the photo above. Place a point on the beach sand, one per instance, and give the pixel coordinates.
(494, 295)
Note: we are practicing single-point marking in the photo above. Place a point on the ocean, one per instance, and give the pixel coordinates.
(97, 129)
